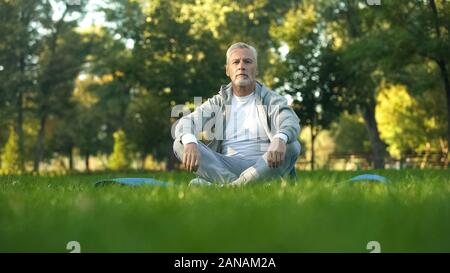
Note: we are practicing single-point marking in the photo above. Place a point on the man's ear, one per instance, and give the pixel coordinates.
(226, 70)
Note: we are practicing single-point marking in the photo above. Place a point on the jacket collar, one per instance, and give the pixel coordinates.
(226, 92)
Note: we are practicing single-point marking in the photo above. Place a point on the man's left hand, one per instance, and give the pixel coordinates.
(276, 153)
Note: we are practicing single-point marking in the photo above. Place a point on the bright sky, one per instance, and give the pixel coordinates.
(93, 17)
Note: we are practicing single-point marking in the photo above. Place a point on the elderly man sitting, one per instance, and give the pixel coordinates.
(255, 134)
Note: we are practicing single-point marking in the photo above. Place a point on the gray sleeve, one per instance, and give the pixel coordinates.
(283, 119)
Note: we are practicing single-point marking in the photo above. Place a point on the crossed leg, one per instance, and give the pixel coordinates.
(218, 168)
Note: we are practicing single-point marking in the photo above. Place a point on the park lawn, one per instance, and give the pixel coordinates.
(320, 212)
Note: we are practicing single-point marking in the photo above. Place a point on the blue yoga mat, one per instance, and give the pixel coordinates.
(370, 177)
(134, 181)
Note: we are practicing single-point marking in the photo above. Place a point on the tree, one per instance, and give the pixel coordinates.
(121, 157)
(91, 123)
(60, 62)
(64, 135)
(147, 120)
(307, 70)
(359, 49)
(380, 44)
(350, 134)
(10, 157)
(91, 135)
(410, 124)
(19, 47)
(429, 23)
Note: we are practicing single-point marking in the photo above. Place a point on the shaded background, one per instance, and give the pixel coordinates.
(89, 85)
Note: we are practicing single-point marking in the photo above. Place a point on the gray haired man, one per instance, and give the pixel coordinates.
(255, 131)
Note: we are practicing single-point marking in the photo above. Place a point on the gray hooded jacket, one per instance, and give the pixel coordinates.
(208, 121)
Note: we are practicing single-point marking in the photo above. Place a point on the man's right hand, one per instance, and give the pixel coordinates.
(190, 157)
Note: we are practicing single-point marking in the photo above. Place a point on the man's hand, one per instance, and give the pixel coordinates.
(276, 153)
(190, 157)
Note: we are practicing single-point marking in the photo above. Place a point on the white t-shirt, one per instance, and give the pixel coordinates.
(244, 134)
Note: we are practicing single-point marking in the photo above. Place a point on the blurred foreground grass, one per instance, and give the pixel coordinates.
(319, 212)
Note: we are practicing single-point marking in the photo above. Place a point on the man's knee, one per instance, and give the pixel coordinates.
(293, 149)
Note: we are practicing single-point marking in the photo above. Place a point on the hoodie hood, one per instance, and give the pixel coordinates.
(226, 91)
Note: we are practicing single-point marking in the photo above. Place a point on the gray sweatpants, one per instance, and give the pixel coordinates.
(219, 168)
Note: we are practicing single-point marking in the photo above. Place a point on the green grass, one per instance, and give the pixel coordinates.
(318, 213)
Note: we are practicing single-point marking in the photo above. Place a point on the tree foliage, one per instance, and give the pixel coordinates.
(65, 89)
(121, 156)
(10, 156)
(410, 124)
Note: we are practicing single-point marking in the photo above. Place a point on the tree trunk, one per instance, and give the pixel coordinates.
(368, 109)
(45, 86)
(378, 146)
(424, 161)
(70, 159)
(143, 157)
(445, 78)
(313, 139)
(40, 144)
(19, 121)
(442, 67)
(19, 130)
(25, 19)
(444, 151)
(86, 162)
(314, 134)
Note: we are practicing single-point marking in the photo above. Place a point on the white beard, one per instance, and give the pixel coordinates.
(243, 82)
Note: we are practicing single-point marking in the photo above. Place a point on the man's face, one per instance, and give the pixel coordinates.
(241, 67)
